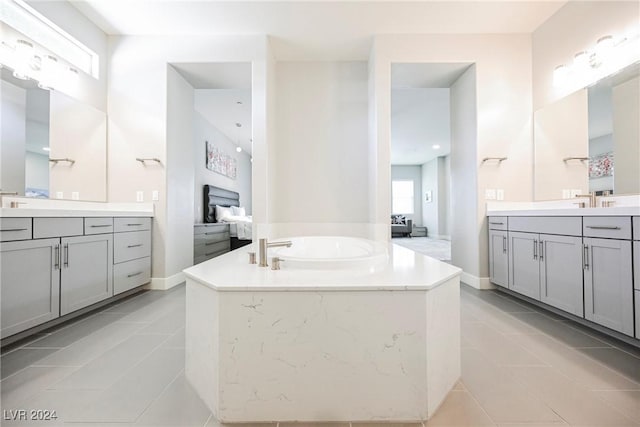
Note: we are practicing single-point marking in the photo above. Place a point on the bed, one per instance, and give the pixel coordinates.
(240, 226)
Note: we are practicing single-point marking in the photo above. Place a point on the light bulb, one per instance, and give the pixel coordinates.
(23, 59)
(49, 73)
(435, 146)
(560, 75)
(239, 149)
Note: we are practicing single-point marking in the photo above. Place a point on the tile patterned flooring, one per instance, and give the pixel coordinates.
(521, 367)
(435, 248)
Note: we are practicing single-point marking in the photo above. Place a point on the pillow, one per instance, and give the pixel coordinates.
(398, 219)
(238, 211)
(222, 212)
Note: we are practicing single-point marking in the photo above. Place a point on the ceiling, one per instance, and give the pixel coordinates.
(316, 30)
(420, 113)
(219, 88)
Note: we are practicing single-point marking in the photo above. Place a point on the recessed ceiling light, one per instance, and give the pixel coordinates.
(435, 146)
(46, 148)
(238, 149)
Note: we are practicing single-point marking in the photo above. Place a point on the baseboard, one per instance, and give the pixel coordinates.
(164, 283)
(476, 282)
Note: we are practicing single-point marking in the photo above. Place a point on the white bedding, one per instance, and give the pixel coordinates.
(241, 224)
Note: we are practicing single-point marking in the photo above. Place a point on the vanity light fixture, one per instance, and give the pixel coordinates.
(24, 60)
(609, 55)
(49, 73)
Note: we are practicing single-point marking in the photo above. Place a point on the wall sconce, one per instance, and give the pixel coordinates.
(609, 55)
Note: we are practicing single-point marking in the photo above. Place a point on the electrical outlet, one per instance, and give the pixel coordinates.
(155, 195)
(500, 194)
(490, 194)
(139, 196)
(75, 195)
(574, 192)
(566, 193)
(59, 195)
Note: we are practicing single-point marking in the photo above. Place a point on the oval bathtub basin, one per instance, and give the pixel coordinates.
(330, 252)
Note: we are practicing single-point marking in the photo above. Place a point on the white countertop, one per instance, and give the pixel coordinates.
(550, 211)
(405, 270)
(39, 213)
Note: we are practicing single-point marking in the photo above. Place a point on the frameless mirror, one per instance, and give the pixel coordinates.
(51, 145)
(589, 141)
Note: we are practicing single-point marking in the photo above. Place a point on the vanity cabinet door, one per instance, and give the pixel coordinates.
(524, 267)
(86, 271)
(30, 282)
(498, 258)
(561, 272)
(608, 286)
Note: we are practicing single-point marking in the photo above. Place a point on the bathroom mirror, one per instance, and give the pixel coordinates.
(51, 145)
(589, 141)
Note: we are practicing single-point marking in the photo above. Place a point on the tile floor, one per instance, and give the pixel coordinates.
(521, 367)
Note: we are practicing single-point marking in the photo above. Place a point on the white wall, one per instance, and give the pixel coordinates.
(436, 177)
(320, 160)
(36, 171)
(503, 106)
(12, 137)
(626, 136)
(205, 131)
(138, 128)
(573, 28)
(411, 173)
(467, 222)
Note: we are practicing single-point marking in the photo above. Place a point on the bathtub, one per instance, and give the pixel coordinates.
(323, 339)
(331, 253)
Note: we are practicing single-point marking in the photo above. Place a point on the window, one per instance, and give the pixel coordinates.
(402, 197)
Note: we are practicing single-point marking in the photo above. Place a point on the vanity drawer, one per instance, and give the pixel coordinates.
(636, 228)
(15, 229)
(131, 224)
(497, 223)
(130, 274)
(608, 227)
(132, 245)
(98, 225)
(562, 225)
(211, 248)
(44, 228)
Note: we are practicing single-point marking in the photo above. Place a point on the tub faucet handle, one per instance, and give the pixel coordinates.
(275, 263)
(252, 257)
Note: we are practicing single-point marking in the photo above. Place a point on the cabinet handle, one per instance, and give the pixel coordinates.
(66, 255)
(134, 274)
(603, 227)
(210, 243)
(13, 229)
(535, 249)
(210, 253)
(213, 232)
(133, 225)
(135, 246)
(57, 257)
(586, 257)
(101, 225)
(504, 245)
(541, 250)
(496, 223)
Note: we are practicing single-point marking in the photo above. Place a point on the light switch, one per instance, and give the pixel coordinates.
(574, 193)
(59, 195)
(139, 196)
(500, 194)
(566, 193)
(155, 195)
(490, 194)
(75, 195)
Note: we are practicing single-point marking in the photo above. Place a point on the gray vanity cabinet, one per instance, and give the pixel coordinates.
(524, 267)
(498, 258)
(547, 268)
(498, 251)
(561, 272)
(30, 277)
(86, 268)
(608, 290)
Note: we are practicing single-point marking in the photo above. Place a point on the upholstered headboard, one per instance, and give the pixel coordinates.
(217, 196)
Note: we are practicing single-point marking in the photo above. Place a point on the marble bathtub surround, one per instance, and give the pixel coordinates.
(381, 346)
